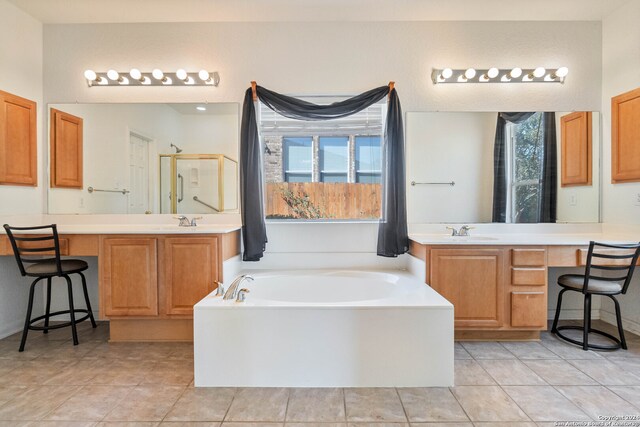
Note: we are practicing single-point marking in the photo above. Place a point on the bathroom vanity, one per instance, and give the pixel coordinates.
(498, 285)
(150, 276)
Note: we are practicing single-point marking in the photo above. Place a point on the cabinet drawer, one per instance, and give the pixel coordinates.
(528, 276)
(528, 310)
(582, 257)
(528, 257)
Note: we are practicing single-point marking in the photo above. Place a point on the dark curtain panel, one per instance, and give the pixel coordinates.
(254, 229)
(393, 238)
(394, 204)
(548, 190)
(500, 164)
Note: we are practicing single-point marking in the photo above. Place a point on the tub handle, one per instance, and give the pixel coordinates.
(242, 295)
(219, 289)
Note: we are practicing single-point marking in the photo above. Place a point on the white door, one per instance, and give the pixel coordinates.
(138, 174)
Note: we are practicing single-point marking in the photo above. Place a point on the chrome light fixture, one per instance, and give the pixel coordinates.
(499, 75)
(156, 77)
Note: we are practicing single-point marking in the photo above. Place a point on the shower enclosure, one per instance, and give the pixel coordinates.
(198, 184)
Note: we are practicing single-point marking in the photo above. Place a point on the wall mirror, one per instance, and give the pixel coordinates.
(458, 147)
(143, 158)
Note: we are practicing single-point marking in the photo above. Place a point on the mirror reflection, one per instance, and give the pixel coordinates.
(145, 158)
(507, 167)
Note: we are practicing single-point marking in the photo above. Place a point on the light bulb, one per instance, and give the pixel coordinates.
(113, 75)
(562, 72)
(204, 75)
(157, 74)
(135, 74)
(446, 73)
(515, 73)
(539, 72)
(470, 73)
(492, 73)
(181, 74)
(90, 75)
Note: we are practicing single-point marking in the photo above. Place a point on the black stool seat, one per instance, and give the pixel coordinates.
(617, 262)
(576, 281)
(30, 251)
(49, 267)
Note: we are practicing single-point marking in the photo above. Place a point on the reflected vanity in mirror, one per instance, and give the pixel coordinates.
(523, 168)
(145, 158)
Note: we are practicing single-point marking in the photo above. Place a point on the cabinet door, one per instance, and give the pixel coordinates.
(128, 275)
(625, 134)
(576, 148)
(473, 281)
(66, 150)
(529, 310)
(18, 151)
(190, 270)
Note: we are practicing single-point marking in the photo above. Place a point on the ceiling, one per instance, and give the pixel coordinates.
(129, 11)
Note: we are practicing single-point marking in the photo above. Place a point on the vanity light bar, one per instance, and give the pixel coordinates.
(499, 75)
(156, 77)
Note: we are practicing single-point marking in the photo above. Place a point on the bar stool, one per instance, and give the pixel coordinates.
(30, 249)
(621, 258)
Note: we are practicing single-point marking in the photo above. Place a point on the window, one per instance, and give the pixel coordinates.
(334, 159)
(322, 169)
(526, 151)
(368, 159)
(298, 159)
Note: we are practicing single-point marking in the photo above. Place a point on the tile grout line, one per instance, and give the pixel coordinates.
(406, 416)
(286, 408)
(344, 404)
(174, 403)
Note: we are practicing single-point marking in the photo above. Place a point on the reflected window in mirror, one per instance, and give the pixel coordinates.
(526, 149)
(323, 169)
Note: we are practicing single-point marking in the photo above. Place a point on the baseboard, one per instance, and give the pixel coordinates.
(11, 328)
(627, 325)
(573, 314)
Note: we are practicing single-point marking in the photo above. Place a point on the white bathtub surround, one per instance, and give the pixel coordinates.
(326, 328)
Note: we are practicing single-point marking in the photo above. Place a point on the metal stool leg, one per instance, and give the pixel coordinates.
(48, 307)
(86, 299)
(623, 342)
(27, 321)
(557, 316)
(586, 322)
(72, 314)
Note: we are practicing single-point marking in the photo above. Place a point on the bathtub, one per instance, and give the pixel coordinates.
(325, 328)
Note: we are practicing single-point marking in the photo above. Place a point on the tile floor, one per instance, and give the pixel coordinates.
(505, 384)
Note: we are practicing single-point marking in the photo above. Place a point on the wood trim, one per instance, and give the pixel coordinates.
(625, 134)
(563, 256)
(150, 330)
(230, 245)
(18, 142)
(70, 245)
(476, 335)
(417, 250)
(254, 91)
(582, 257)
(66, 158)
(576, 150)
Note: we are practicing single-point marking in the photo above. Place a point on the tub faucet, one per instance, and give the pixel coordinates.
(232, 292)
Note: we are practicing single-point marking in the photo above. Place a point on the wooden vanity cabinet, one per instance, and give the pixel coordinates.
(472, 279)
(157, 276)
(189, 271)
(497, 291)
(18, 134)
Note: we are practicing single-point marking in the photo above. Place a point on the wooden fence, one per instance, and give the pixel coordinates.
(323, 200)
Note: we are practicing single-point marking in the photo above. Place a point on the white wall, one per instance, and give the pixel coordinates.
(444, 147)
(580, 203)
(20, 74)
(621, 73)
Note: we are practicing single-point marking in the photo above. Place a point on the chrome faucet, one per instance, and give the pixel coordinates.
(232, 292)
(184, 221)
(463, 232)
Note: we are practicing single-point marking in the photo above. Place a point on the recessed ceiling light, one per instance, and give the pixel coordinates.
(200, 108)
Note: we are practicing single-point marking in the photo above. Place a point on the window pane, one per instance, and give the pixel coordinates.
(368, 177)
(528, 138)
(526, 206)
(297, 154)
(334, 159)
(297, 177)
(368, 153)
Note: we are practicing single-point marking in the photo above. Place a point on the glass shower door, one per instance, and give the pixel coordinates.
(197, 186)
